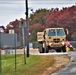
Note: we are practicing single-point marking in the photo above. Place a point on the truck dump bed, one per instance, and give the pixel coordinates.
(40, 36)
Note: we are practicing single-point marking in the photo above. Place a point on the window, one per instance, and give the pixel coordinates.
(60, 32)
(52, 32)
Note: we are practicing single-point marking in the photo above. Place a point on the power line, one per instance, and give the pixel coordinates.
(11, 0)
(37, 3)
(11, 12)
(11, 3)
(36, 0)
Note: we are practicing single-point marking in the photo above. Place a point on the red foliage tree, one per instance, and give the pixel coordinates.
(39, 26)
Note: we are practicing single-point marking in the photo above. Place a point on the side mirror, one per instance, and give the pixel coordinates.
(66, 32)
(44, 34)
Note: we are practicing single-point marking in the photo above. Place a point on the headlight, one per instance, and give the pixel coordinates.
(63, 43)
(50, 44)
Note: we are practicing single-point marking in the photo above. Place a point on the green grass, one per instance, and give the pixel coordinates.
(35, 64)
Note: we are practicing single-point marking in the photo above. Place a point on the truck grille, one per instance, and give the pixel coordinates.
(56, 40)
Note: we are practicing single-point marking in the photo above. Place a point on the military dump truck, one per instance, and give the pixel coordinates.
(52, 38)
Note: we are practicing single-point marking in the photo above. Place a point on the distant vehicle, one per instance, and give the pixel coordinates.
(52, 38)
(72, 48)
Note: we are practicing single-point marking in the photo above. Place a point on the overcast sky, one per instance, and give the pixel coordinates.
(15, 9)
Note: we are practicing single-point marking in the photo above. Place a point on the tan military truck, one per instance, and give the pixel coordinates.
(52, 38)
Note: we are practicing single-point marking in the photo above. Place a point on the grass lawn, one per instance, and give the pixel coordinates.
(35, 65)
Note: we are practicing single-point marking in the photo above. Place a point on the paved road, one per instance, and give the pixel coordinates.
(31, 51)
(70, 69)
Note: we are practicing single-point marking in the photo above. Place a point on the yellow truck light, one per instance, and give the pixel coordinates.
(50, 44)
(63, 43)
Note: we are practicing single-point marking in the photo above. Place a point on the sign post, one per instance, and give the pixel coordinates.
(22, 26)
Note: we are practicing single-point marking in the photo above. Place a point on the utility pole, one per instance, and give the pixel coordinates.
(27, 28)
(0, 55)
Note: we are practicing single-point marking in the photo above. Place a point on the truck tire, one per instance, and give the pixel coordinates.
(58, 50)
(64, 48)
(41, 49)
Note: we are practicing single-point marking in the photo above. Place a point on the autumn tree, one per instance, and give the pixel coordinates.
(38, 17)
(33, 35)
(65, 18)
(43, 18)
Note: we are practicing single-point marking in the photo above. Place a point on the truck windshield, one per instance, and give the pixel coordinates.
(60, 32)
(51, 32)
(56, 32)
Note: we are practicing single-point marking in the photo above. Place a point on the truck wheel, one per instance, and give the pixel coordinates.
(64, 48)
(41, 49)
(58, 50)
(47, 49)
